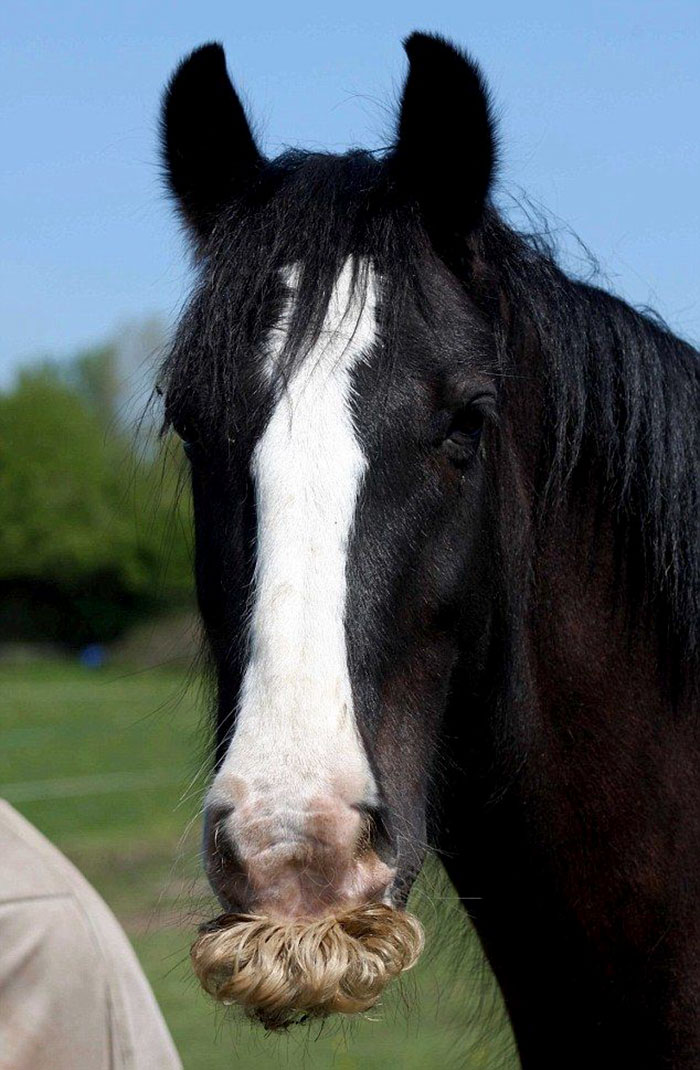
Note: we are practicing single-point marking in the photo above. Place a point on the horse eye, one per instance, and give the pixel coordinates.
(464, 432)
(467, 424)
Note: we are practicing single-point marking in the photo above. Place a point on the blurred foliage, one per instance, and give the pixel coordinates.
(94, 527)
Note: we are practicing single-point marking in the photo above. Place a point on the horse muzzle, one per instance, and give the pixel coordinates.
(306, 860)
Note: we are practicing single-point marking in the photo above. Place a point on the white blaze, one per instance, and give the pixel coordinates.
(296, 736)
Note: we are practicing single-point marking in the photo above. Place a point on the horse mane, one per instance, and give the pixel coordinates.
(620, 391)
(620, 406)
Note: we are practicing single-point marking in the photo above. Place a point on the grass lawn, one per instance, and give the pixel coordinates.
(109, 766)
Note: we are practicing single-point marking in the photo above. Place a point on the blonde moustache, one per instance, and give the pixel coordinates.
(282, 971)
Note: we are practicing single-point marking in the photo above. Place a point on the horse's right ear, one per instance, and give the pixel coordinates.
(208, 151)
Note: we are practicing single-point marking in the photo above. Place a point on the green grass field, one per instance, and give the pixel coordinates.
(109, 766)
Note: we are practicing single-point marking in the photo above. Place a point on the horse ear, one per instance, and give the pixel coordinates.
(207, 147)
(445, 151)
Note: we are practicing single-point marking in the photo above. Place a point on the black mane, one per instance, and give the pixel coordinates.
(620, 404)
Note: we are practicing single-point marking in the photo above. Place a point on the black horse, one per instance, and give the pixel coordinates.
(446, 511)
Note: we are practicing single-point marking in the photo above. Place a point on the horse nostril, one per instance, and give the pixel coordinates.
(222, 846)
(375, 835)
(219, 843)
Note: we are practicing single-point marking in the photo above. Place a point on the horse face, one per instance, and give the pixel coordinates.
(336, 421)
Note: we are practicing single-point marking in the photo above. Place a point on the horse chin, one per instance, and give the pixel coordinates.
(285, 971)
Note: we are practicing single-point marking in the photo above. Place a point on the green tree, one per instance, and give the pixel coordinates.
(91, 536)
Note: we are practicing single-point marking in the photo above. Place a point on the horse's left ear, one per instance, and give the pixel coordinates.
(445, 152)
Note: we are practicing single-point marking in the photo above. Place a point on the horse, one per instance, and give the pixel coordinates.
(446, 551)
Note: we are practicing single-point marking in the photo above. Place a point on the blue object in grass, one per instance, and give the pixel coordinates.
(92, 656)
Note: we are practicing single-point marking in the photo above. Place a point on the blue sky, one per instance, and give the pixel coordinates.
(599, 107)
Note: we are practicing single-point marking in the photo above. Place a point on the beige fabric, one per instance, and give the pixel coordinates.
(72, 993)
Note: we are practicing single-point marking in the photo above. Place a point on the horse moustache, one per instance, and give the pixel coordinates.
(284, 972)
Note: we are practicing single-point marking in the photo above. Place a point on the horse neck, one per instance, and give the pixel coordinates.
(583, 873)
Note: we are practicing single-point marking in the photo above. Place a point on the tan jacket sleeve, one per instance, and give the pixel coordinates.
(72, 993)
